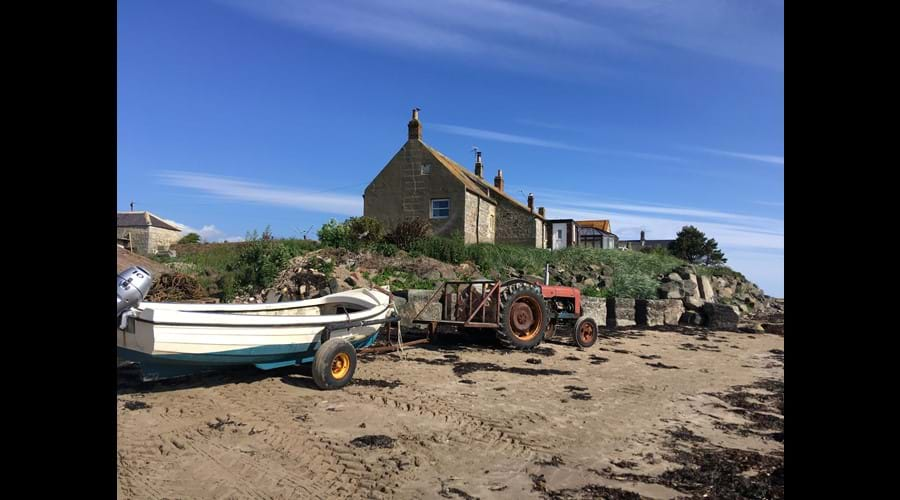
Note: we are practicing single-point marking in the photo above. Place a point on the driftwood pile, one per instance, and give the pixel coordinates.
(176, 287)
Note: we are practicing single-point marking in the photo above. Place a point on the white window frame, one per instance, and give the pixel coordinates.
(447, 208)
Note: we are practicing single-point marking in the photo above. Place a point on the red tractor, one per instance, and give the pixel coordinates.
(521, 313)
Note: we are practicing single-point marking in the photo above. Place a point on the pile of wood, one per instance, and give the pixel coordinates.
(176, 287)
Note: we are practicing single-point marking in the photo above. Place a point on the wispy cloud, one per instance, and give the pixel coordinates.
(582, 36)
(493, 135)
(778, 160)
(228, 188)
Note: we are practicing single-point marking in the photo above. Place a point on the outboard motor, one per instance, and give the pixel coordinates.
(132, 286)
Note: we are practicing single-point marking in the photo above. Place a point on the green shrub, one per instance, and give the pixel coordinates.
(386, 249)
(407, 233)
(226, 286)
(450, 250)
(189, 239)
(259, 262)
(336, 234)
(365, 230)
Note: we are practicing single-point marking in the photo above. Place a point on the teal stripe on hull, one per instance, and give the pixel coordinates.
(157, 367)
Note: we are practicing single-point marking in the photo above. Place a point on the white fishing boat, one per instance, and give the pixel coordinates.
(169, 340)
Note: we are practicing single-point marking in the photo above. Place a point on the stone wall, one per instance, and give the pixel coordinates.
(403, 191)
(161, 239)
(594, 308)
(480, 219)
(517, 226)
(140, 237)
(540, 233)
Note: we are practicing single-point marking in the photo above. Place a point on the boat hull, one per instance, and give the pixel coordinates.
(167, 342)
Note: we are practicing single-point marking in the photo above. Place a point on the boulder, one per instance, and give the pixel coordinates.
(721, 316)
(672, 311)
(620, 312)
(272, 297)
(594, 308)
(689, 289)
(706, 289)
(751, 327)
(658, 312)
(589, 282)
(649, 312)
(410, 302)
(692, 318)
(693, 303)
(673, 277)
(670, 290)
(776, 328)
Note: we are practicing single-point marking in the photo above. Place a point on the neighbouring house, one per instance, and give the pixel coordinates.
(421, 182)
(564, 233)
(145, 233)
(643, 243)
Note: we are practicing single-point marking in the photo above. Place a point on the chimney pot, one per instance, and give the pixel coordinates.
(531, 202)
(542, 212)
(479, 167)
(415, 128)
(498, 181)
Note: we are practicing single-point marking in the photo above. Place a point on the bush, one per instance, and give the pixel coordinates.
(226, 287)
(408, 232)
(259, 262)
(189, 239)
(386, 249)
(365, 231)
(335, 234)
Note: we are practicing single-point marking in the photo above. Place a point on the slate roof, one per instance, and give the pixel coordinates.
(142, 219)
(476, 184)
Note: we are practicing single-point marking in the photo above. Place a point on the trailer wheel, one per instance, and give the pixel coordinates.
(585, 332)
(334, 364)
(523, 316)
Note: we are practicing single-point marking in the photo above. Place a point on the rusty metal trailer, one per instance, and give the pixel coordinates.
(522, 313)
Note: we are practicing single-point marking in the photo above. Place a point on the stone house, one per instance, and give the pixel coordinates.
(145, 233)
(421, 182)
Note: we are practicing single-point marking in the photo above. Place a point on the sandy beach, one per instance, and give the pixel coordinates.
(642, 413)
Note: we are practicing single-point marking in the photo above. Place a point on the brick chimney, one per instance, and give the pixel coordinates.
(415, 128)
(498, 181)
(542, 212)
(479, 167)
(531, 202)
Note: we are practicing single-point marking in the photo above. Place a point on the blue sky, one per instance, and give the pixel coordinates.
(237, 114)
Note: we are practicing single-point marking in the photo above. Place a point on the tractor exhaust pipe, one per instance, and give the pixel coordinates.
(547, 274)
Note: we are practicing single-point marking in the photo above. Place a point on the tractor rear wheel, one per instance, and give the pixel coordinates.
(523, 316)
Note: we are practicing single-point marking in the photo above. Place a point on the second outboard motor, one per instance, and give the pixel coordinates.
(132, 286)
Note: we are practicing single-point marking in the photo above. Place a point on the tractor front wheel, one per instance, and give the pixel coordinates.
(585, 332)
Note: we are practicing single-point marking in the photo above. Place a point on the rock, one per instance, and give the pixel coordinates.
(433, 275)
(692, 318)
(410, 302)
(594, 308)
(721, 316)
(649, 312)
(351, 280)
(706, 289)
(272, 297)
(686, 272)
(605, 282)
(670, 290)
(776, 328)
(658, 312)
(673, 277)
(693, 303)
(606, 270)
(752, 327)
(689, 289)
(589, 282)
(620, 312)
